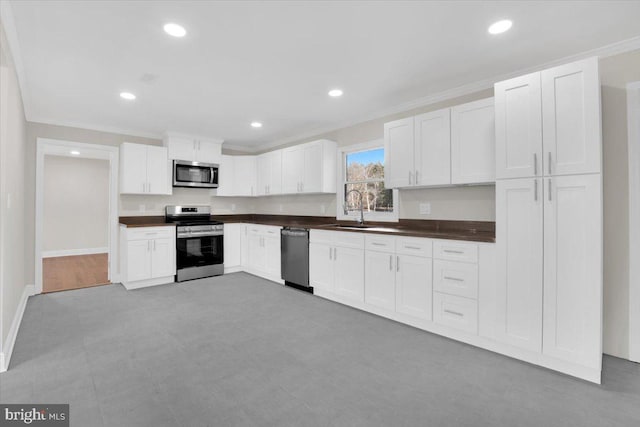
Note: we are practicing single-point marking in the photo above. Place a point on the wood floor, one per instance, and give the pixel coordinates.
(74, 272)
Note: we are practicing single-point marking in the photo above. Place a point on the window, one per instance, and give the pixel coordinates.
(363, 174)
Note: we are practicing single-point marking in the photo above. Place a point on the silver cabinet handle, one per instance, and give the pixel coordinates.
(456, 313)
(410, 177)
(397, 263)
(330, 255)
(549, 189)
(148, 245)
(335, 254)
(451, 251)
(378, 244)
(412, 247)
(535, 163)
(535, 189)
(154, 245)
(455, 279)
(151, 233)
(417, 180)
(302, 186)
(549, 162)
(390, 262)
(149, 187)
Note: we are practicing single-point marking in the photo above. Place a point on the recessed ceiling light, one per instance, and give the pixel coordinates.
(335, 93)
(256, 124)
(75, 153)
(174, 30)
(127, 95)
(500, 26)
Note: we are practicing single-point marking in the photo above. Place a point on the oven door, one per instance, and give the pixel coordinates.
(195, 174)
(200, 251)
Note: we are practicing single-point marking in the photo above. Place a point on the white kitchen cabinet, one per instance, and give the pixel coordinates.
(414, 285)
(144, 169)
(380, 279)
(263, 251)
(432, 152)
(244, 176)
(455, 312)
(549, 122)
(572, 326)
(232, 242)
(309, 168)
(517, 319)
(269, 167)
(455, 278)
(148, 256)
(226, 173)
(518, 115)
(336, 263)
(571, 130)
(473, 142)
(399, 149)
(193, 148)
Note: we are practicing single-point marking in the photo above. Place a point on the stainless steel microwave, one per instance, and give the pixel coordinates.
(195, 174)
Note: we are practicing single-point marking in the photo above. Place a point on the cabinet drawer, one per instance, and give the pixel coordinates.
(321, 236)
(271, 230)
(455, 278)
(455, 251)
(456, 312)
(414, 246)
(348, 240)
(379, 242)
(145, 233)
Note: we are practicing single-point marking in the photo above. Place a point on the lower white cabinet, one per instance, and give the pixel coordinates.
(148, 256)
(413, 286)
(380, 279)
(232, 247)
(263, 251)
(455, 312)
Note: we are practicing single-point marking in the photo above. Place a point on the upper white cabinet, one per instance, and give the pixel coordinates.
(193, 148)
(571, 131)
(473, 142)
(269, 172)
(144, 169)
(225, 177)
(548, 123)
(449, 146)
(244, 176)
(309, 168)
(432, 152)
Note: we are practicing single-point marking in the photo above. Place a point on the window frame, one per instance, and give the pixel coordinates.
(392, 216)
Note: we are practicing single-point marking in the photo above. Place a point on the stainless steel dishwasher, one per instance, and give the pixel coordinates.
(295, 257)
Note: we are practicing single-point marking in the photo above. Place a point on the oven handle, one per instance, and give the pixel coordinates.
(205, 234)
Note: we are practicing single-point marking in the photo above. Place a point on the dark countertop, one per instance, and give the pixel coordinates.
(476, 231)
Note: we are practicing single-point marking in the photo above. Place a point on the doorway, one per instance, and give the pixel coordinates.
(76, 215)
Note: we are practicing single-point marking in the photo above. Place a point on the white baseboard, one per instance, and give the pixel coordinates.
(72, 252)
(148, 282)
(7, 347)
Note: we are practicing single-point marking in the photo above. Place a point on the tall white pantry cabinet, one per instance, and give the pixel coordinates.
(548, 293)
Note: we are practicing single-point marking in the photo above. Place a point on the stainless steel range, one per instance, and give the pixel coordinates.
(199, 242)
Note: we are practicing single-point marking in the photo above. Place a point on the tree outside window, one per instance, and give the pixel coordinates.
(364, 171)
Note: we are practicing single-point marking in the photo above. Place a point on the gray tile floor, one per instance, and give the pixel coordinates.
(241, 351)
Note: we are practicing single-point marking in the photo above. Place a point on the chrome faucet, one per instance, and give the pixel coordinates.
(361, 219)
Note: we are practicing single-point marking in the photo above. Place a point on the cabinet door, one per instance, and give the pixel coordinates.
(275, 172)
(473, 142)
(573, 269)
(232, 245)
(158, 171)
(163, 257)
(414, 286)
(245, 175)
(138, 260)
(398, 153)
(226, 177)
(292, 169)
(244, 245)
(380, 279)
(182, 148)
(321, 266)
(272, 255)
(256, 253)
(264, 174)
(518, 310)
(133, 168)
(208, 151)
(349, 272)
(571, 118)
(313, 164)
(518, 127)
(433, 148)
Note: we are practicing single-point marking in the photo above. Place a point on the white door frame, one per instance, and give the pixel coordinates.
(633, 118)
(46, 146)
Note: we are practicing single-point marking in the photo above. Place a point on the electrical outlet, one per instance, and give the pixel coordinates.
(425, 208)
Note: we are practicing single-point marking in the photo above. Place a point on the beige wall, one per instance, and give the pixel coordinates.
(75, 203)
(12, 197)
(616, 72)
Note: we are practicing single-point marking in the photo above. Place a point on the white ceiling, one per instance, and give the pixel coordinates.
(275, 61)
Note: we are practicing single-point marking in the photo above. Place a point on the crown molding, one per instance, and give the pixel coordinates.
(8, 22)
(97, 128)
